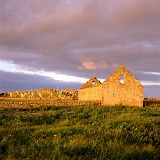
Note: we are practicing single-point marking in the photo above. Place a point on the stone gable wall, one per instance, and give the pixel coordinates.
(90, 94)
(89, 84)
(129, 93)
(112, 91)
(90, 91)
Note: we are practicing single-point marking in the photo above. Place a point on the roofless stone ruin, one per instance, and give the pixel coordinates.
(120, 88)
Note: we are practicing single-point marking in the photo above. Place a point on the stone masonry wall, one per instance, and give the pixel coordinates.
(90, 91)
(128, 93)
(90, 94)
(121, 88)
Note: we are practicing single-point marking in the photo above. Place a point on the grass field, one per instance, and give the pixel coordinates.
(81, 132)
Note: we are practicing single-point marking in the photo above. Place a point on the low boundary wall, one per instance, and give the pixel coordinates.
(17, 103)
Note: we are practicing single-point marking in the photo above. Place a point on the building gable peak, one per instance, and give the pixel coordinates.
(93, 81)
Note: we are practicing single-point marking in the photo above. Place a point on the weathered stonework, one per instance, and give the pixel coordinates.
(88, 92)
(120, 88)
(44, 93)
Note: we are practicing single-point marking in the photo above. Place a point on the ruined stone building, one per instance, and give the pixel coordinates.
(120, 88)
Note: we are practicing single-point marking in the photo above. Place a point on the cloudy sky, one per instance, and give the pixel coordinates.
(62, 43)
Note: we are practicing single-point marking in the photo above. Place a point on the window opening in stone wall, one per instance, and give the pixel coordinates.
(93, 83)
(122, 78)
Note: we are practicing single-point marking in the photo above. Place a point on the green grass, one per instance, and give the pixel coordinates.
(81, 132)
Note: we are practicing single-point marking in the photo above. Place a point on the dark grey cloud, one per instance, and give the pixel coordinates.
(23, 82)
(83, 37)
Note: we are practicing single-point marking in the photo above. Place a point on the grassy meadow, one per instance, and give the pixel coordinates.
(80, 132)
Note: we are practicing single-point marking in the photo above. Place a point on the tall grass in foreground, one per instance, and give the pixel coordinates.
(81, 132)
